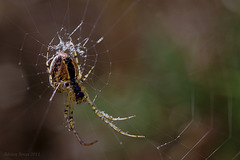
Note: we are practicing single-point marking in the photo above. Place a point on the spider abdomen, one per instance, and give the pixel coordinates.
(64, 72)
(78, 93)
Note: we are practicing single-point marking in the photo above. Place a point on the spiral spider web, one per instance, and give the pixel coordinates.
(189, 126)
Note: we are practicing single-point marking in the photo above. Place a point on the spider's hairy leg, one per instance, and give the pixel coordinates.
(102, 117)
(113, 118)
(48, 66)
(119, 130)
(102, 113)
(68, 114)
(47, 61)
(111, 124)
(85, 77)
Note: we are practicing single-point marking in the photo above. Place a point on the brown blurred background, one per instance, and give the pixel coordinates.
(175, 64)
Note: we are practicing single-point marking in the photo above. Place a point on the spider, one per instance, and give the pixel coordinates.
(65, 76)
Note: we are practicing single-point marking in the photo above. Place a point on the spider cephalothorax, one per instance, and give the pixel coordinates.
(65, 76)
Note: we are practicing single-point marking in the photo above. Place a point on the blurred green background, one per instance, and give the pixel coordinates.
(175, 64)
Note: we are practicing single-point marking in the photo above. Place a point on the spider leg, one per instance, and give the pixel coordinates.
(85, 77)
(105, 114)
(76, 59)
(113, 118)
(48, 67)
(68, 114)
(47, 61)
(66, 110)
(102, 117)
